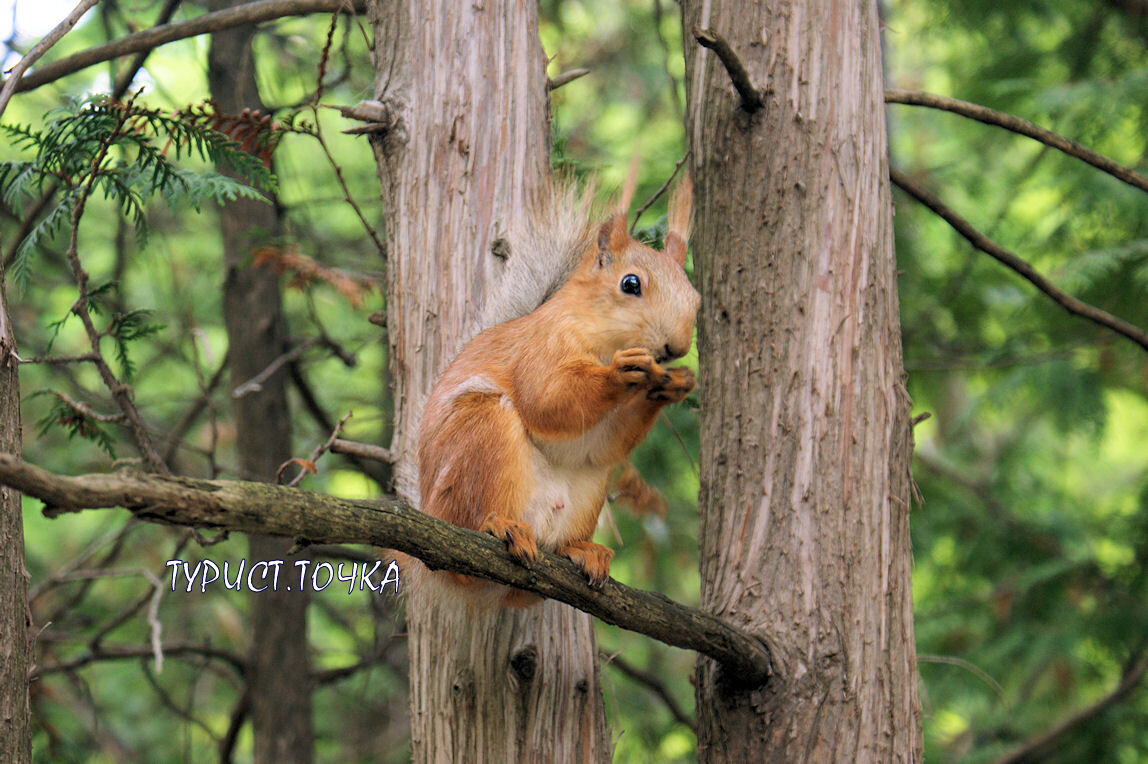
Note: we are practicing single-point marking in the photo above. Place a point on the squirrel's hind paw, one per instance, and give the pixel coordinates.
(593, 559)
(519, 537)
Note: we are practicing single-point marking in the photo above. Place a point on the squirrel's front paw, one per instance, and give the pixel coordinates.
(680, 384)
(519, 537)
(636, 366)
(593, 559)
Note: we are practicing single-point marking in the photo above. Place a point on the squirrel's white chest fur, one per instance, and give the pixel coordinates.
(568, 484)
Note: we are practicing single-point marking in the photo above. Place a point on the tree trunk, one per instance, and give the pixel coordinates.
(15, 644)
(804, 416)
(459, 170)
(278, 679)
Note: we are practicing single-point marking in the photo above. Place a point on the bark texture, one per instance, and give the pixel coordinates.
(804, 419)
(278, 681)
(15, 643)
(465, 157)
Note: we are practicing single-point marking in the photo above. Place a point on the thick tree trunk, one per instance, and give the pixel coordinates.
(15, 643)
(278, 680)
(804, 417)
(469, 150)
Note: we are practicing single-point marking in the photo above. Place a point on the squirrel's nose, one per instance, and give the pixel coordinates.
(672, 354)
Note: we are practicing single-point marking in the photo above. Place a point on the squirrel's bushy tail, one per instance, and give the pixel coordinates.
(540, 253)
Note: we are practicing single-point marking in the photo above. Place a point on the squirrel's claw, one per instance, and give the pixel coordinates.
(519, 537)
(593, 559)
(679, 385)
(637, 366)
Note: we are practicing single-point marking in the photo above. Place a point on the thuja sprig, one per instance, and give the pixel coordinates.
(120, 149)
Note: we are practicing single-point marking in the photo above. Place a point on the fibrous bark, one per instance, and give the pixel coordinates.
(460, 165)
(805, 439)
(15, 641)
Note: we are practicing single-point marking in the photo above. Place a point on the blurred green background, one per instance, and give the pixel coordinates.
(1031, 546)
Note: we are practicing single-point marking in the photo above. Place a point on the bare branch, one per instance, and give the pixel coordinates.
(12, 84)
(363, 451)
(320, 449)
(752, 99)
(274, 510)
(125, 77)
(84, 410)
(129, 652)
(553, 83)
(255, 384)
(62, 359)
(996, 251)
(1021, 127)
(249, 13)
(969, 666)
(655, 685)
(175, 437)
(1044, 745)
(661, 190)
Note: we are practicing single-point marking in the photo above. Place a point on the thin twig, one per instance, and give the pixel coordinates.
(752, 99)
(380, 246)
(1009, 259)
(1044, 745)
(553, 83)
(89, 413)
(968, 666)
(169, 703)
(255, 384)
(242, 15)
(1021, 127)
(319, 451)
(61, 359)
(363, 451)
(654, 684)
(126, 652)
(128, 75)
(661, 190)
(175, 437)
(12, 83)
(238, 717)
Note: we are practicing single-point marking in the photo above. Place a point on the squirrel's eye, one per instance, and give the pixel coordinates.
(631, 284)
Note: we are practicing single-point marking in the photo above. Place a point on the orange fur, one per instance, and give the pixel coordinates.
(678, 220)
(521, 432)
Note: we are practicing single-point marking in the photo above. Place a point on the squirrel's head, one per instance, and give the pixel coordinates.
(639, 296)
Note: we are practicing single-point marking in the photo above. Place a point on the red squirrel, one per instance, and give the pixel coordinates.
(522, 430)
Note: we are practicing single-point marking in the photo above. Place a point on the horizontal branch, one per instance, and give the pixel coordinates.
(363, 451)
(1011, 260)
(1021, 127)
(241, 15)
(130, 652)
(553, 83)
(279, 511)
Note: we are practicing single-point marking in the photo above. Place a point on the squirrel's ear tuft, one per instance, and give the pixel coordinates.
(678, 220)
(612, 238)
(631, 182)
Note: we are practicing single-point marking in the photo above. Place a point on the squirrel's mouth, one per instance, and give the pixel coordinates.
(668, 354)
